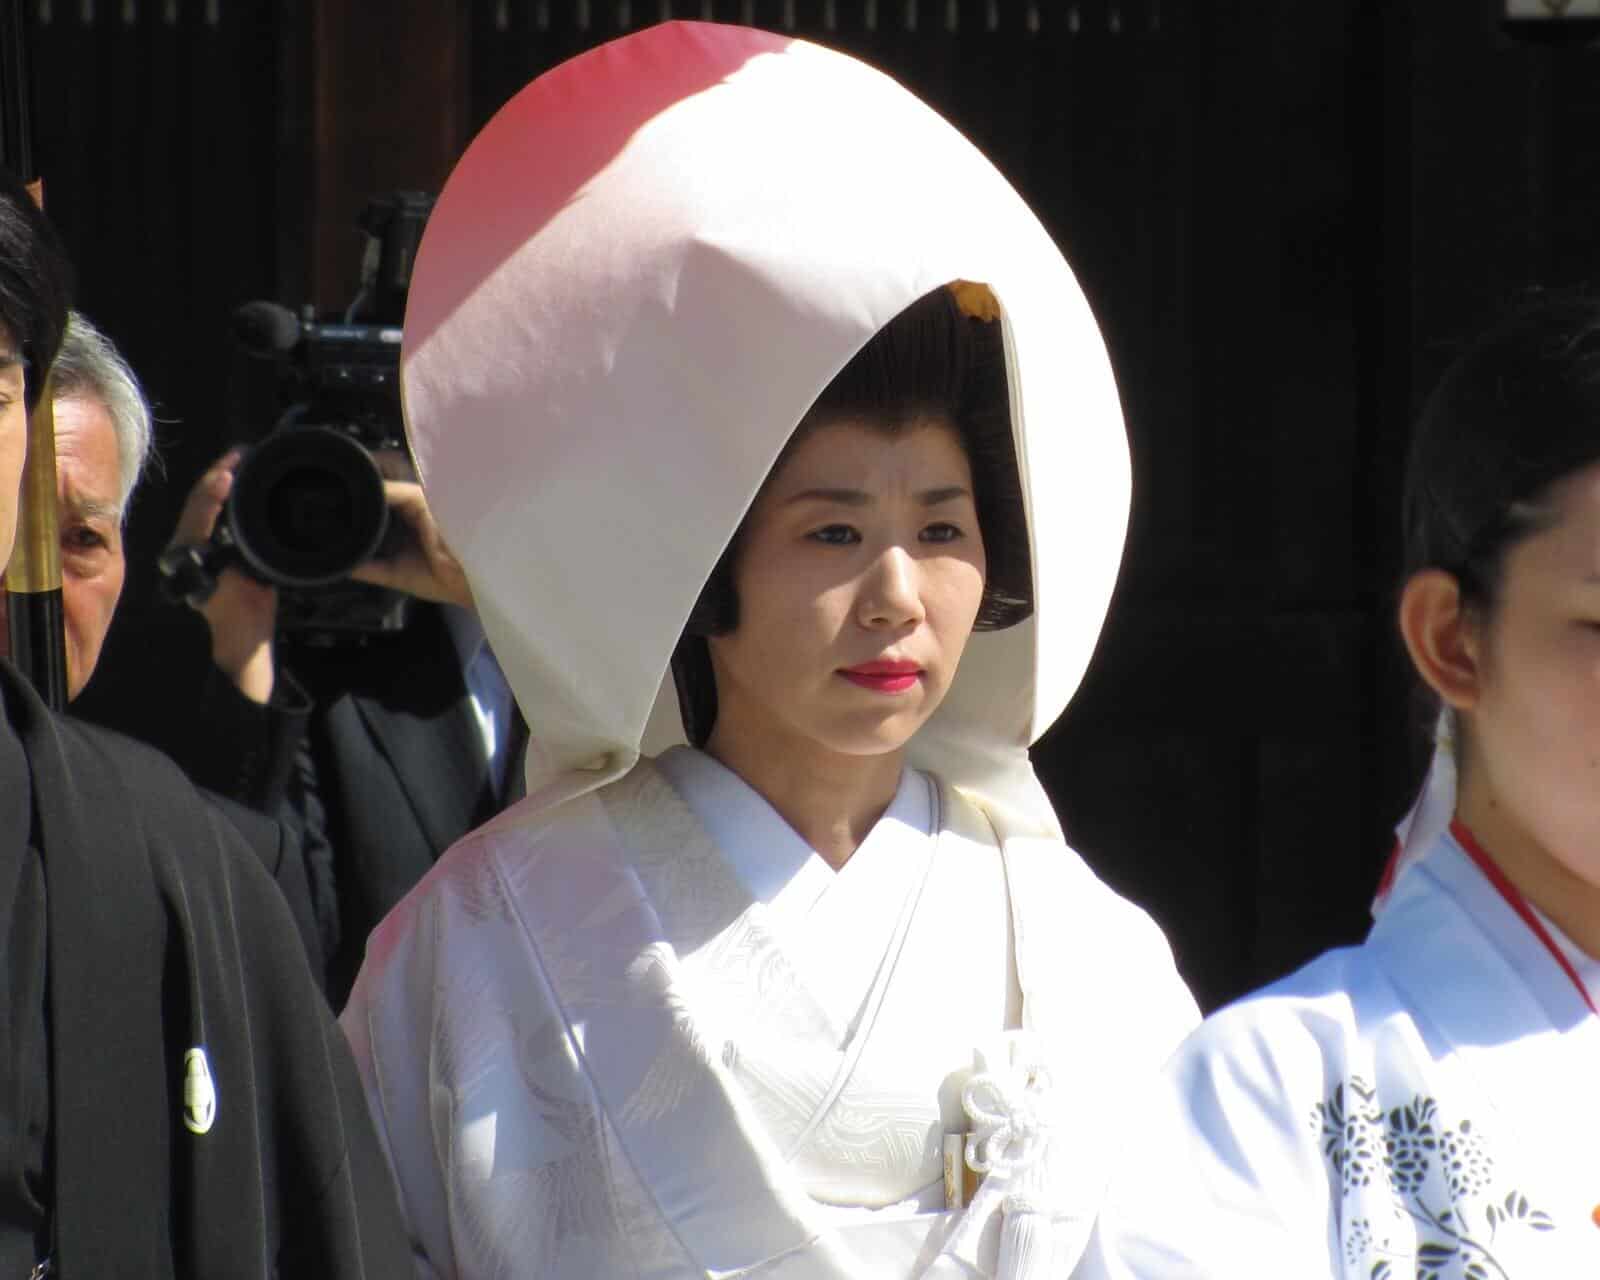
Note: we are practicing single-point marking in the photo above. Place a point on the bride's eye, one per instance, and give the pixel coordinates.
(944, 531)
(837, 535)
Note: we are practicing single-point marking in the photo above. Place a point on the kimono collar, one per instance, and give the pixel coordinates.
(632, 287)
(765, 852)
(1533, 952)
(1542, 928)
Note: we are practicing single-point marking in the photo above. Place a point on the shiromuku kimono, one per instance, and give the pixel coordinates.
(1423, 1105)
(634, 1026)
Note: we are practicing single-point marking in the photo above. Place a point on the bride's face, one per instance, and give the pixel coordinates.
(859, 576)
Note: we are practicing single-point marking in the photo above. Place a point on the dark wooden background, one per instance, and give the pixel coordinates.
(1284, 214)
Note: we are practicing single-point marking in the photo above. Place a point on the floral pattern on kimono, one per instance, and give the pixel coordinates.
(1406, 1162)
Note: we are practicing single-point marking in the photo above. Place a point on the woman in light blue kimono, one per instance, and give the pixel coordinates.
(1428, 1104)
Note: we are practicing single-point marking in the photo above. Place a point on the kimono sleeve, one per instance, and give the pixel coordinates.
(388, 1022)
(1223, 1175)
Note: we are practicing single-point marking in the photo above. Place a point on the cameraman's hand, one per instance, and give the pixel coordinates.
(242, 613)
(423, 566)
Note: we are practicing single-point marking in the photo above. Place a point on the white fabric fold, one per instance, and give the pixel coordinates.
(1429, 816)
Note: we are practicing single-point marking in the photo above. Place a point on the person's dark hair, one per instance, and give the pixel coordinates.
(35, 282)
(931, 362)
(1516, 412)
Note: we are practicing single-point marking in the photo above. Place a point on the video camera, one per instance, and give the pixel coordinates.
(307, 504)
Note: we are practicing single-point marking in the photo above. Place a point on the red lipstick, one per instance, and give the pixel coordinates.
(883, 677)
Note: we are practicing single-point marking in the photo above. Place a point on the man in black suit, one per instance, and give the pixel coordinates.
(381, 753)
(175, 1097)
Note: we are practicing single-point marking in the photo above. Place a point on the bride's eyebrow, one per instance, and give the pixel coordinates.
(860, 498)
(844, 497)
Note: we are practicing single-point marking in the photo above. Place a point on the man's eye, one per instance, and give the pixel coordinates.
(837, 535)
(82, 538)
(943, 532)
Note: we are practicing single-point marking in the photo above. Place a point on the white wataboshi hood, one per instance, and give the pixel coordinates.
(634, 284)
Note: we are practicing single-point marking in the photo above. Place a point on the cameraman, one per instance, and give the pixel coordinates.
(381, 754)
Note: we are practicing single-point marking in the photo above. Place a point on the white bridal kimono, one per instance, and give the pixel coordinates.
(632, 1028)
(594, 1050)
(1424, 1105)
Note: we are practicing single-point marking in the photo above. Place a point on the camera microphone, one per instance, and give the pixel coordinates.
(266, 328)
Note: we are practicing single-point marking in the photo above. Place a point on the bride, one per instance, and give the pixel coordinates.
(790, 537)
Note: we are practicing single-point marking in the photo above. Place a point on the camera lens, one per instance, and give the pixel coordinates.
(307, 506)
(308, 510)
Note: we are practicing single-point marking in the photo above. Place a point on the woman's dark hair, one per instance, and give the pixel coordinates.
(35, 282)
(932, 362)
(1516, 412)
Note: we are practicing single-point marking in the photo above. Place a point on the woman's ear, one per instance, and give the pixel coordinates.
(1442, 637)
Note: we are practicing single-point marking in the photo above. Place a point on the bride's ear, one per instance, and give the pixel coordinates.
(1443, 637)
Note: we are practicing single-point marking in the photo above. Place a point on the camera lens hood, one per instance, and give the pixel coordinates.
(307, 506)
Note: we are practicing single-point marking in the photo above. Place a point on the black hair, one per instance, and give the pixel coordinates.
(932, 362)
(35, 282)
(1517, 411)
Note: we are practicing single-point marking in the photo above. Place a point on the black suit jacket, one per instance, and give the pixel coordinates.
(165, 935)
(372, 753)
(278, 848)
